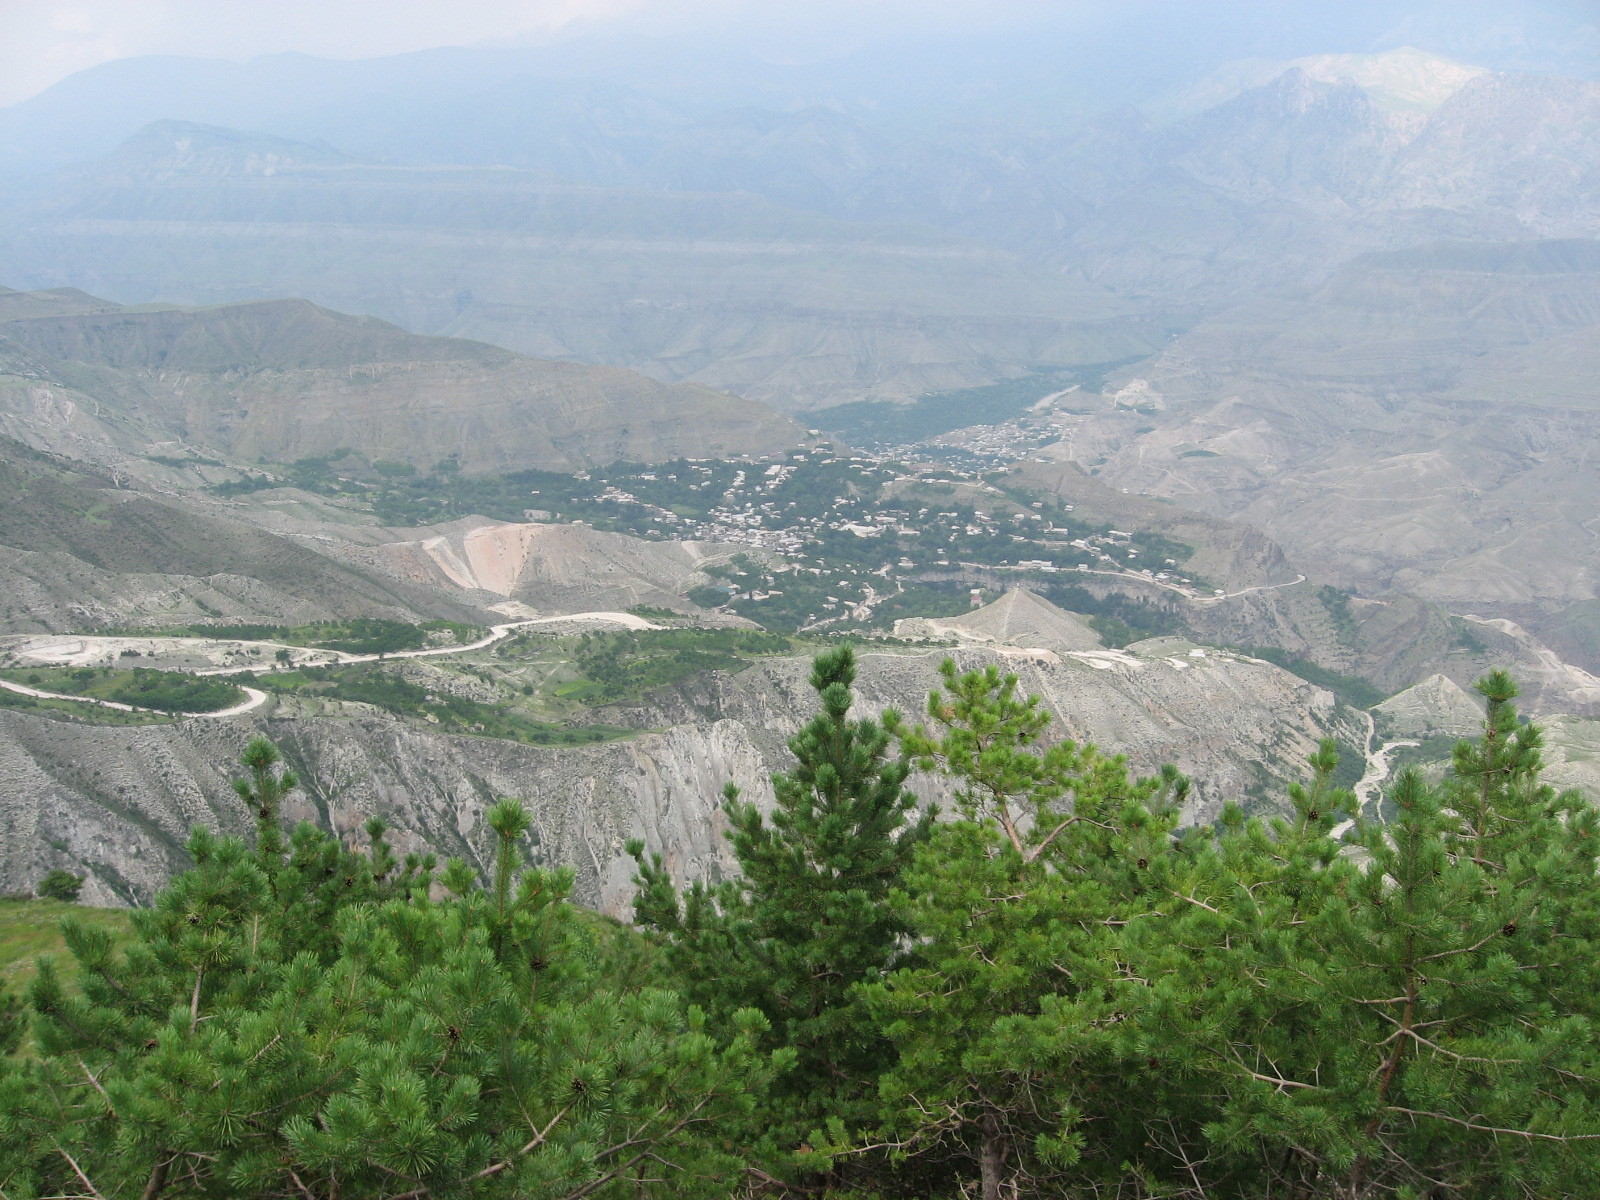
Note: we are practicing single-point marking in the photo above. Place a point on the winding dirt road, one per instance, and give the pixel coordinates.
(1188, 593)
(496, 633)
(255, 697)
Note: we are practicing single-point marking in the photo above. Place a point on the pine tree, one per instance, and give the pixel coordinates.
(410, 1047)
(808, 921)
(1408, 1012)
(1014, 1071)
(1103, 1004)
(263, 793)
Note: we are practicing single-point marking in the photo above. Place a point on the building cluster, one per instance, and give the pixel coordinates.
(925, 519)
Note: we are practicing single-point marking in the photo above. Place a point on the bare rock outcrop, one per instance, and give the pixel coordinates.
(551, 567)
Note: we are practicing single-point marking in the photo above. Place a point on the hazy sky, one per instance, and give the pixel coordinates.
(42, 41)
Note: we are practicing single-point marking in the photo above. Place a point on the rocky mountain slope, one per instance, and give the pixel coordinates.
(1421, 423)
(118, 801)
(1435, 707)
(1019, 618)
(1223, 550)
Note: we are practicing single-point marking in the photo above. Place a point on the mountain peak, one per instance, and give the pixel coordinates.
(1018, 618)
(1405, 80)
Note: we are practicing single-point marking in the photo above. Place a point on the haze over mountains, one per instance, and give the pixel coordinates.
(801, 253)
(1272, 348)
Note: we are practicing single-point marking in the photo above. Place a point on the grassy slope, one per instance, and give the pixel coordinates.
(29, 928)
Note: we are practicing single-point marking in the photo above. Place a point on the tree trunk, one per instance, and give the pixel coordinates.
(991, 1157)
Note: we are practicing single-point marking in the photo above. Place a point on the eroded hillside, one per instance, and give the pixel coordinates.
(119, 801)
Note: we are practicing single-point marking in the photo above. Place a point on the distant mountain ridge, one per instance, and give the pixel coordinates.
(812, 255)
(726, 289)
(281, 380)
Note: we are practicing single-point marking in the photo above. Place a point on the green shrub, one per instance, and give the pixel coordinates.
(60, 885)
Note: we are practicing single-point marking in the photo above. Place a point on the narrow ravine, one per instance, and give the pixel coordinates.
(1368, 787)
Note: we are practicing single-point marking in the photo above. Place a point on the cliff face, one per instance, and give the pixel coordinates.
(119, 800)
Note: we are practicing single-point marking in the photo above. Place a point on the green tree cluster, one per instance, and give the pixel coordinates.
(304, 1020)
(1058, 988)
(143, 687)
(1068, 994)
(619, 665)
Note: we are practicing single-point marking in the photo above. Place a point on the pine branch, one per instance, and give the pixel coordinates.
(1478, 945)
(540, 1136)
(89, 1075)
(78, 1171)
(194, 1000)
(1453, 1056)
(595, 1185)
(1521, 1133)
(1280, 1083)
(1193, 900)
